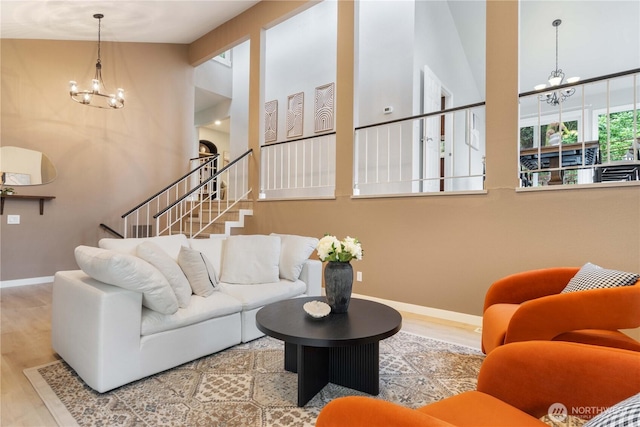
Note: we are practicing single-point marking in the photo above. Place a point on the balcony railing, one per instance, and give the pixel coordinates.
(301, 168)
(591, 137)
(437, 152)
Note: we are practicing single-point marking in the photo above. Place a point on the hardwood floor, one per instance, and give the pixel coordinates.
(25, 324)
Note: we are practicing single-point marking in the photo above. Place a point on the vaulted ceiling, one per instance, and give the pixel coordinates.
(125, 21)
(596, 37)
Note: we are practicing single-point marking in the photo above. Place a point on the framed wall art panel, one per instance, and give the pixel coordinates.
(295, 110)
(323, 103)
(271, 121)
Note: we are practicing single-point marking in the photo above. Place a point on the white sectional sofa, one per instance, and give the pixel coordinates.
(126, 315)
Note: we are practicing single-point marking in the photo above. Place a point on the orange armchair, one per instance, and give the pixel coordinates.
(530, 306)
(517, 385)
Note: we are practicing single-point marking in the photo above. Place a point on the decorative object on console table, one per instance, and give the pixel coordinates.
(338, 274)
(9, 191)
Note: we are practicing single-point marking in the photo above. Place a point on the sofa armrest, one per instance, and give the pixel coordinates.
(533, 375)
(312, 275)
(363, 411)
(95, 328)
(547, 317)
(520, 287)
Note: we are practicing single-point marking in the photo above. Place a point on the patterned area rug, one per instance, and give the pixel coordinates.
(247, 385)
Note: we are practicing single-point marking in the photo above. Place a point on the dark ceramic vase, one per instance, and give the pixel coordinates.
(338, 281)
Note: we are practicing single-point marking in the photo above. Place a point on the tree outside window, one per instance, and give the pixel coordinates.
(618, 145)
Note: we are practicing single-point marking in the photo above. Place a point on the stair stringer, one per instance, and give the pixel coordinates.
(228, 225)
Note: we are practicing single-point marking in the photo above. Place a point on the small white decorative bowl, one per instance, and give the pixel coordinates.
(317, 309)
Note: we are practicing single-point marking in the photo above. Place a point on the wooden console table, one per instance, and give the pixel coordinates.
(18, 196)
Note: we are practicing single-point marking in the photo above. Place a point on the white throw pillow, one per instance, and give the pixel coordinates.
(199, 271)
(251, 260)
(129, 272)
(169, 268)
(170, 244)
(211, 248)
(294, 251)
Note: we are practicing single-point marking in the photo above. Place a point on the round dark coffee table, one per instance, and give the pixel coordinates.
(340, 348)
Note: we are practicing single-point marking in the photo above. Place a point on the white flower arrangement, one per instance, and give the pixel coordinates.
(331, 249)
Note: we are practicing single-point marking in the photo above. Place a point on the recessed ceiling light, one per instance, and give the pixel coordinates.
(217, 123)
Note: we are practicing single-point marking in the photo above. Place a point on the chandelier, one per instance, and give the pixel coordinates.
(556, 78)
(97, 96)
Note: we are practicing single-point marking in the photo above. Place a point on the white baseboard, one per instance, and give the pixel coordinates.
(25, 282)
(453, 316)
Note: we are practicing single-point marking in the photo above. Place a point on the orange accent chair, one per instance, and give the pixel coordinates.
(530, 306)
(517, 385)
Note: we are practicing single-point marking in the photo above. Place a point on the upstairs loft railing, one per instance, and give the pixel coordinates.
(192, 202)
(207, 202)
(299, 168)
(437, 152)
(590, 137)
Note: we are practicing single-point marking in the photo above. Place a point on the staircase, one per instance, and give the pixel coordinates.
(225, 224)
(206, 201)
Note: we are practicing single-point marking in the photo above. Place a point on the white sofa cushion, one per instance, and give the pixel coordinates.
(199, 271)
(129, 272)
(212, 249)
(250, 259)
(169, 268)
(199, 310)
(254, 296)
(294, 251)
(170, 244)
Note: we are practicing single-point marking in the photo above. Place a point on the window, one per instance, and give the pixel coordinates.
(615, 134)
(546, 134)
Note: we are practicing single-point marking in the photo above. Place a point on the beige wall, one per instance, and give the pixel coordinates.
(436, 251)
(445, 251)
(107, 161)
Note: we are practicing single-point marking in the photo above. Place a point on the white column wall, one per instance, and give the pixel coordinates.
(239, 110)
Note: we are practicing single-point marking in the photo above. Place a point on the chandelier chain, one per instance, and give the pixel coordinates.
(554, 24)
(100, 28)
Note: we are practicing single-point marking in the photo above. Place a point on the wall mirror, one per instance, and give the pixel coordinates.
(20, 166)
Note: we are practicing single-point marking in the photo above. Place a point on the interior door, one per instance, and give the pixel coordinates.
(431, 132)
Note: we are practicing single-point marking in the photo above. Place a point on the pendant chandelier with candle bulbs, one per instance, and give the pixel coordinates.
(556, 78)
(97, 96)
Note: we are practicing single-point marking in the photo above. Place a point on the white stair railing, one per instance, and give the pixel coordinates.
(207, 202)
(138, 221)
(191, 203)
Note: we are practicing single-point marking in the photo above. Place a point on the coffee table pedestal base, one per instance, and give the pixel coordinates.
(355, 367)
